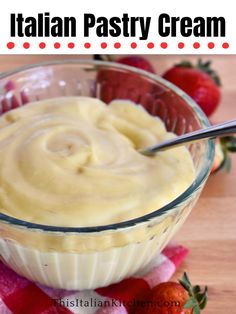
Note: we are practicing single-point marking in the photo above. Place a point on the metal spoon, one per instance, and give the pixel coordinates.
(222, 129)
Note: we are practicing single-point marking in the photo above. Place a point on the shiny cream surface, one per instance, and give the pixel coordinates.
(73, 161)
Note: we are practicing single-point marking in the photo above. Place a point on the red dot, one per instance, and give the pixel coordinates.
(211, 45)
(150, 45)
(10, 45)
(196, 45)
(57, 45)
(103, 45)
(117, 45)
(42, 45)
(87, 45)
(164, 45)
(225, 45)
(71, 45)
(180, 45)
(26, 45)
(133, 45)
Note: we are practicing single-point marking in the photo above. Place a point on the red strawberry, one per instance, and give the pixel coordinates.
(116, 84)
(200, 82)
(173, 298)
(134, 61)
(137, 62)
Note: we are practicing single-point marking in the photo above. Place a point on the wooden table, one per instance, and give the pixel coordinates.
(210, 231)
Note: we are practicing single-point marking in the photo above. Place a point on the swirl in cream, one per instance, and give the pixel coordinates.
(73, 161)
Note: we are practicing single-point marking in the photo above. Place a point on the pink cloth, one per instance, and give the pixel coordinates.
(20, 296)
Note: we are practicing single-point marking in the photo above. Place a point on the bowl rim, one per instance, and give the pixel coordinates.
(196, 184)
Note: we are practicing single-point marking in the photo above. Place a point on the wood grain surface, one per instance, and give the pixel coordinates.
(210, 231)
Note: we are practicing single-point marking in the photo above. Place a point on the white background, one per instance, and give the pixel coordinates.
(110, 8)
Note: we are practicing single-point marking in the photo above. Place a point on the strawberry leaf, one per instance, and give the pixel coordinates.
(227, 163)
(185, 64)
(185, 282)
(103, 57)
(196, 289)
(196, 310)
(231, 149)
(197, 298)
(206, 67)
(98, 57)
(202, 305)
(229, 143)
(186, 279)
(190, 303)
(207, 64)
(200, 297)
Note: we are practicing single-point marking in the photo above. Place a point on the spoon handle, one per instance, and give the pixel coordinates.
(222, 129)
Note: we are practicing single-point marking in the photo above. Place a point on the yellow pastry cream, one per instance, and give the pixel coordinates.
(74, 161)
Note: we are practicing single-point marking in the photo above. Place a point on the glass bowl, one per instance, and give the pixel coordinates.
(91, 257)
